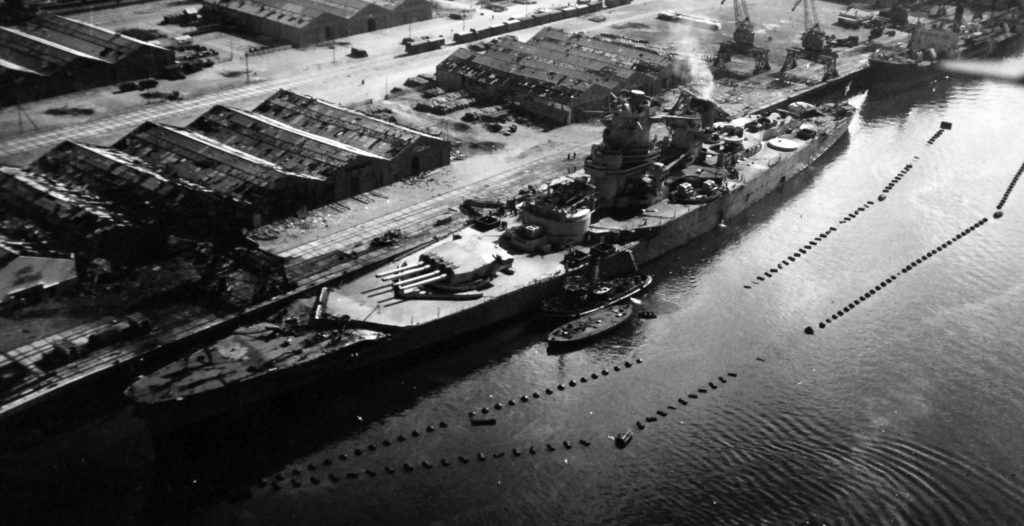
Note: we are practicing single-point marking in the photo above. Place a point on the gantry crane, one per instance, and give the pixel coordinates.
(743, 41)
(815, 44)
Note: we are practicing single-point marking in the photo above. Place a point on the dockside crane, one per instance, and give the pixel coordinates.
(814, 42)
(743, 41)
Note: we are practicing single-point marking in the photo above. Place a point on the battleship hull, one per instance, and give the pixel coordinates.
(414, 327)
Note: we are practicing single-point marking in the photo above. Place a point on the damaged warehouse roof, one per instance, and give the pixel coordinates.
(343, 124)
(570, 69)
(70, 210)
(276, 142)
(186, 154)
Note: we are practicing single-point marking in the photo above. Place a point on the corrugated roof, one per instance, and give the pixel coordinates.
(185, 154)
(556, 65)
(71, 208)
(345, 125)
(274, 141)
(296, 13)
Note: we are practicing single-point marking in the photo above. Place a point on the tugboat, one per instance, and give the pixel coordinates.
(574, 233)
(592, 325)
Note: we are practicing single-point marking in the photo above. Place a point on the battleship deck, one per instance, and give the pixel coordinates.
(311, 266)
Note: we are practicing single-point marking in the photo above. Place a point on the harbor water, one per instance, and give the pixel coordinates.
(905, 409)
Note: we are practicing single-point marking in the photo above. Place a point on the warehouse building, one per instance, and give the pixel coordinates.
(306, 22)
(76, 218)
(51, 55)
(406, 152)
(558, 76)
(266, 190)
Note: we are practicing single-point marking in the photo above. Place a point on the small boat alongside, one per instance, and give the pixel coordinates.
(592, 325)
(623, 439)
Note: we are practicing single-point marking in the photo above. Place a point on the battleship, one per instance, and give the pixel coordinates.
(626, 210)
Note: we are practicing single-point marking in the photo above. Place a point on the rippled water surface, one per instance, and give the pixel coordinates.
(905, 410)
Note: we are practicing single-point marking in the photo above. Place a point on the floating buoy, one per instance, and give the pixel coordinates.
(593, 376)
(572, 383)
(498, 406)
(352, 475)
(279, 477)
(296, 483)
(731, 374)
(584, 442)
(499, 454)
(702, 390)
(445, 463)
(616, 368)
(314, 480)
(821, 325)
(371, 472)
(371, 447)
(524, 398)
(712, 385)
(561, 387)
(390, 470)
(311, 467)
(511, 403)
(533, 451)
(998, 214)
(430, 429)
(774, 271)
(401, 438)
(693, 396)
(328, 461)
(407, 467)
(516, 452)
(662, 413)
(463, 459)
(672, 408)
(386, 443)
(640, 425)
(583, 379)
(652, 419)
(342, 457)
(484, 410)
(333, 478)
(628, 363)
(443, 424)
(604, 372)
(881, 198)
(721, 380)
(834, 317)
(566, 444)
(481, 457)
(846, 309)
(262, 483)
(638, 360)
(548, 391)
(550, 448)
(684, 402)
(536, 394)
(276, 486)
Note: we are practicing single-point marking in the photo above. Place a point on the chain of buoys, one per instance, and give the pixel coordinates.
(297, 480)
(849, 217)
(659, 414)
(488, 412)
(475, 419)
(1006, 194)
(888, 281)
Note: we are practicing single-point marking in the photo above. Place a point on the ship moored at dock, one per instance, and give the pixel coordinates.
(624, 212)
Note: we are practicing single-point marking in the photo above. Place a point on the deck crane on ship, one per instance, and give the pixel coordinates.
(742, 42)
(814, 44)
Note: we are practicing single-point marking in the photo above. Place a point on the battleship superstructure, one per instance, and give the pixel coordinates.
(627, 210)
